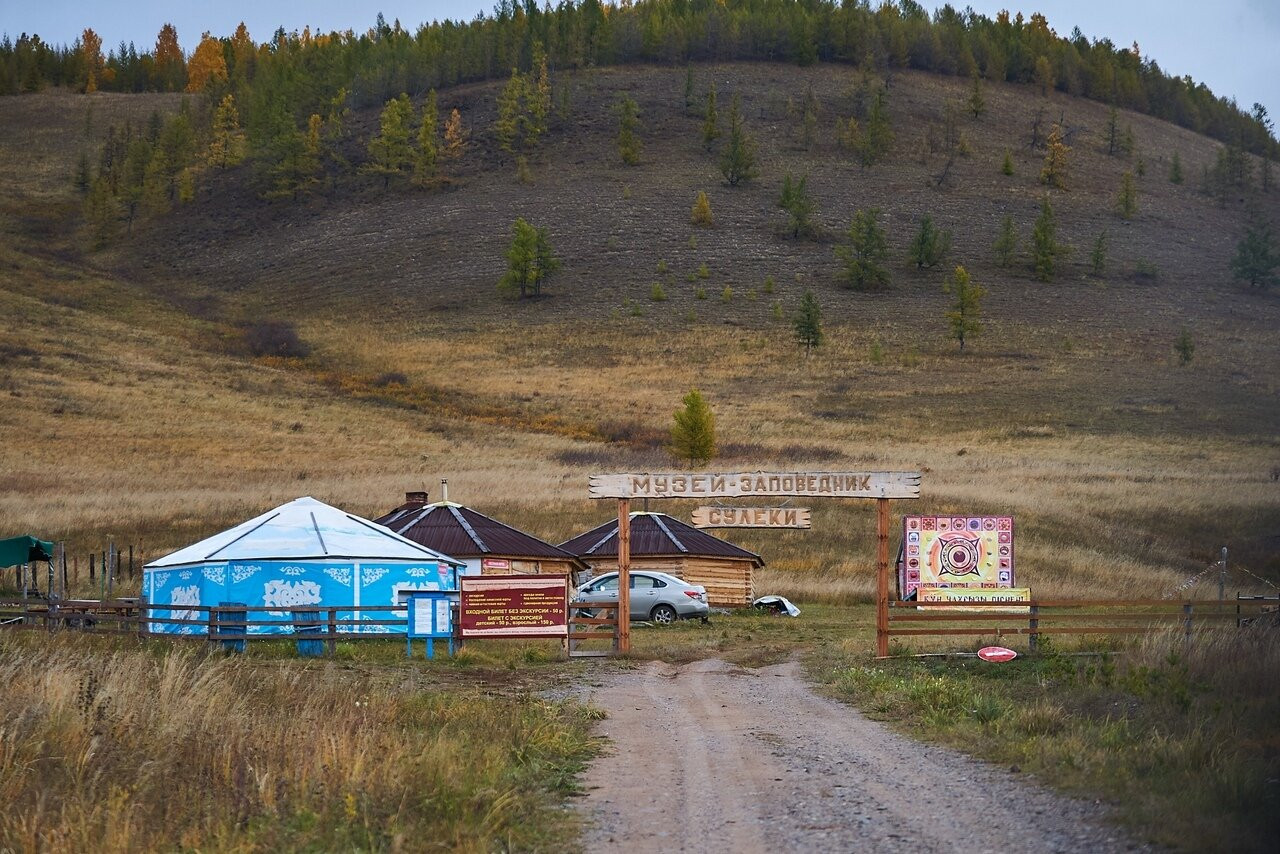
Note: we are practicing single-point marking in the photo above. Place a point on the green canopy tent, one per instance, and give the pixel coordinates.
(20, 551)
(16, 551)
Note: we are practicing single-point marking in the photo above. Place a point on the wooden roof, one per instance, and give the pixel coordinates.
(656, 535)
(468, 532)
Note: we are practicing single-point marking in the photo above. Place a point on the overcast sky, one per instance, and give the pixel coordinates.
(1232, 45)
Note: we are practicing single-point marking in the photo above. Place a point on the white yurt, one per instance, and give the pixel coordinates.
(301, 553)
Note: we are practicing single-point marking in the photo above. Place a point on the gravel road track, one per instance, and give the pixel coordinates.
(714, 757)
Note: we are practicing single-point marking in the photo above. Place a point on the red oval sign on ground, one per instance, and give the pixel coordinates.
(996, 653)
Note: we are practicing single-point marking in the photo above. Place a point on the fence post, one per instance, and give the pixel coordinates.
(1034, 637)
(333, 631)
(1186, 619)
(213, 626)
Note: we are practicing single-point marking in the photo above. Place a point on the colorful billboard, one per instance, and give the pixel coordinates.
(956, 551)
(513, 606)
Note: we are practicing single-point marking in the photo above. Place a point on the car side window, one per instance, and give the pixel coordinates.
(609, 585)
(642, 582)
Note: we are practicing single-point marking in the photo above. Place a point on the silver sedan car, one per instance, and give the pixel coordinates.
(655, 596)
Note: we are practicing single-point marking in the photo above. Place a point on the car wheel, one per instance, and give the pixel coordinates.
(663, 615)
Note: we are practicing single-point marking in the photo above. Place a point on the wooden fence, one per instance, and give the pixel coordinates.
(233, 625)
(1070, 617)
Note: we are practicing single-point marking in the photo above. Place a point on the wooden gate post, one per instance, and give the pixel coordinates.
(622, 640)
(882, 577)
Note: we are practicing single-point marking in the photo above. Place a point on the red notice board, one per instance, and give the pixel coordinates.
(513, 606)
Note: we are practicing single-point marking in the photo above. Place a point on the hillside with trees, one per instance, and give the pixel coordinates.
(945, 241)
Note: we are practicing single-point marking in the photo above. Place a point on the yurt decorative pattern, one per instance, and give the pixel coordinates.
(302, 553)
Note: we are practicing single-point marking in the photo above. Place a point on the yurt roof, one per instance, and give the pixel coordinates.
(464, 532)
(303, 529)
(656, 535)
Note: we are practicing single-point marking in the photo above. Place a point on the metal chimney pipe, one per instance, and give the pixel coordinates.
(444, 489)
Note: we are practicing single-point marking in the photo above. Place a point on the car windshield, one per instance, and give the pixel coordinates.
(606, 586)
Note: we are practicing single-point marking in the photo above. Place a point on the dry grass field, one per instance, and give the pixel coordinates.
(131, 411)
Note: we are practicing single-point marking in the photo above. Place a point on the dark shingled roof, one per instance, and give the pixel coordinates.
(656, 535)
(466, 532)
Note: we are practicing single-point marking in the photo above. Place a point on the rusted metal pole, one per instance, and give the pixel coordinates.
(623, 637)
(882, 576)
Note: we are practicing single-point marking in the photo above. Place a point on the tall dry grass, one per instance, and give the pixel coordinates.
(1181, 735)
(109, 747)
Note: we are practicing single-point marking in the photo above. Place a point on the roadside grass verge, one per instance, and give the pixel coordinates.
(116, 746)
(1183, 739)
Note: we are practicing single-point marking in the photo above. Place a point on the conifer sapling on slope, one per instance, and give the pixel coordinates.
(1006, 244)
(427, 157)
(808, 322)
(738, 161)
(529, 261)
(795, 200)
(702, 210)
(1044, 241)
(628, 122)
(930, 244)
(864, 256)
(693, 435)
(964, 318)
(710, 124)
(391, 152)
(1257, 255)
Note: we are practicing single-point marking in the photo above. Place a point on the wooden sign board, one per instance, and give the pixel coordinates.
(513, 606)
(751, 517)
(801, 484)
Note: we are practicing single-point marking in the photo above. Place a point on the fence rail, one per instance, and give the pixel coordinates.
(1072, 616)
(233, 625)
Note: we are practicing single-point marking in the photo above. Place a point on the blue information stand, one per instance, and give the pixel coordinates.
(430, 617)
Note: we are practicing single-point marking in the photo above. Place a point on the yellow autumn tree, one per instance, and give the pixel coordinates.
(207, 64)
(455, 137)
(91, 54)
(170, 64)
(227, 147)
(702, 210)
(1054, 172)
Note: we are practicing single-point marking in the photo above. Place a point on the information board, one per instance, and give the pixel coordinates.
(513, 606)
(1000, 598)
(429, 615)
(956, 551)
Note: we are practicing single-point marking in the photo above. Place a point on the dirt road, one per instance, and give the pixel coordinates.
(714, 757)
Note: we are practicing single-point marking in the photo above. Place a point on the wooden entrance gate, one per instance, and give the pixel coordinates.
(880, 485)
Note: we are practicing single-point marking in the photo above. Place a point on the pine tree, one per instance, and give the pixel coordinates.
(156, 190)
(965, 315)
(809, 119)
(702, 210)
(930, 244)
(808, 322)
(1044, 243)
(391, 152)
(1257, 254)
(795, 200)
(1098, 257)
(1127, 198)
(1006, 167)
(538, 97)
(530, 261)
(710, 124)
(738, 161)
(1044, 76)
(282, 156)
(101, 214)
(977, 103)
(426, 159)
(1006, 244)
(455, 138)
(877, 137)
(688, 88)
(864, 258)
(1112, 130)
(507, 127)
(693, 433)
(628, 122)
(1175, 169)
(227, 142)
(84, 174)
(133, 181)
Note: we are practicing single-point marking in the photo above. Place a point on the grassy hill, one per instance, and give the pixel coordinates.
(132, 409)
